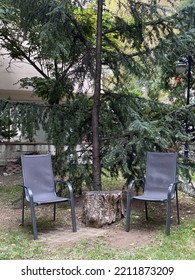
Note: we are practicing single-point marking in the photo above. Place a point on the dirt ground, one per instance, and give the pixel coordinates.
(57, 233)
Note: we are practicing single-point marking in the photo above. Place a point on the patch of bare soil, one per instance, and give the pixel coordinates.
(59, 233)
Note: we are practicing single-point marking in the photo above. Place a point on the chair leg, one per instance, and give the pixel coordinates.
(33, 220)
(168, 215)
(146, 210)
(73, 215)
(128, 214)
(74, 225)
(54, 211)
(177, 205)
(23, 196)
(72, 206)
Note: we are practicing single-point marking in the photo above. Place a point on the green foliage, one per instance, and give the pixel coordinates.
(181, 43)
(53, 37)
(57, 38)
(129, 127)
(60, 38)
(45, 88)
(134, 126)
(6, 130)
(66, 126)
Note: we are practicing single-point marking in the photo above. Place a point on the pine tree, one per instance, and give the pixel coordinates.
(59, 41)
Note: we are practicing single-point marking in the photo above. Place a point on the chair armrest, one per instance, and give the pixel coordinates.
(172, 188)
(28, 192)
(66, 184)
(133, 184)
(177, 183)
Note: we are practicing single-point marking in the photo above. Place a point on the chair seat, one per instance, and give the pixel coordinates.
(48, 198)
(149, 197)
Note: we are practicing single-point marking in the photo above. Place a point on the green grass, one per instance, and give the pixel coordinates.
(112, 183)
(10, 194)
(17, 245)
(180, 245)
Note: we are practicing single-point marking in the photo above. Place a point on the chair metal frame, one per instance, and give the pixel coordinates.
(171, 192)
(30, 195)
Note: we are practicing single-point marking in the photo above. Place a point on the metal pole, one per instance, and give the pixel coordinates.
(186, 149)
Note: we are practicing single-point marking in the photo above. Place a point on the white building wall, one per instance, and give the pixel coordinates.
(11, 71)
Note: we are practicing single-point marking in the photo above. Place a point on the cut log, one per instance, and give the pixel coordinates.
(102, 208)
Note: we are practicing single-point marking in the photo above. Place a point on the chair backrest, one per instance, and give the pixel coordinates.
(38, 173)
(160, 171)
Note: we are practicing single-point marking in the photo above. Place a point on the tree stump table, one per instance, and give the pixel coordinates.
(102, 208)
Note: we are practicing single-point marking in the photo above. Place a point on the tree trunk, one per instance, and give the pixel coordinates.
(96, 103)
(102, 208)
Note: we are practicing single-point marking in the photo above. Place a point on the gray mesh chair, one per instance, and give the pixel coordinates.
(159, 185)
(40, 188)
